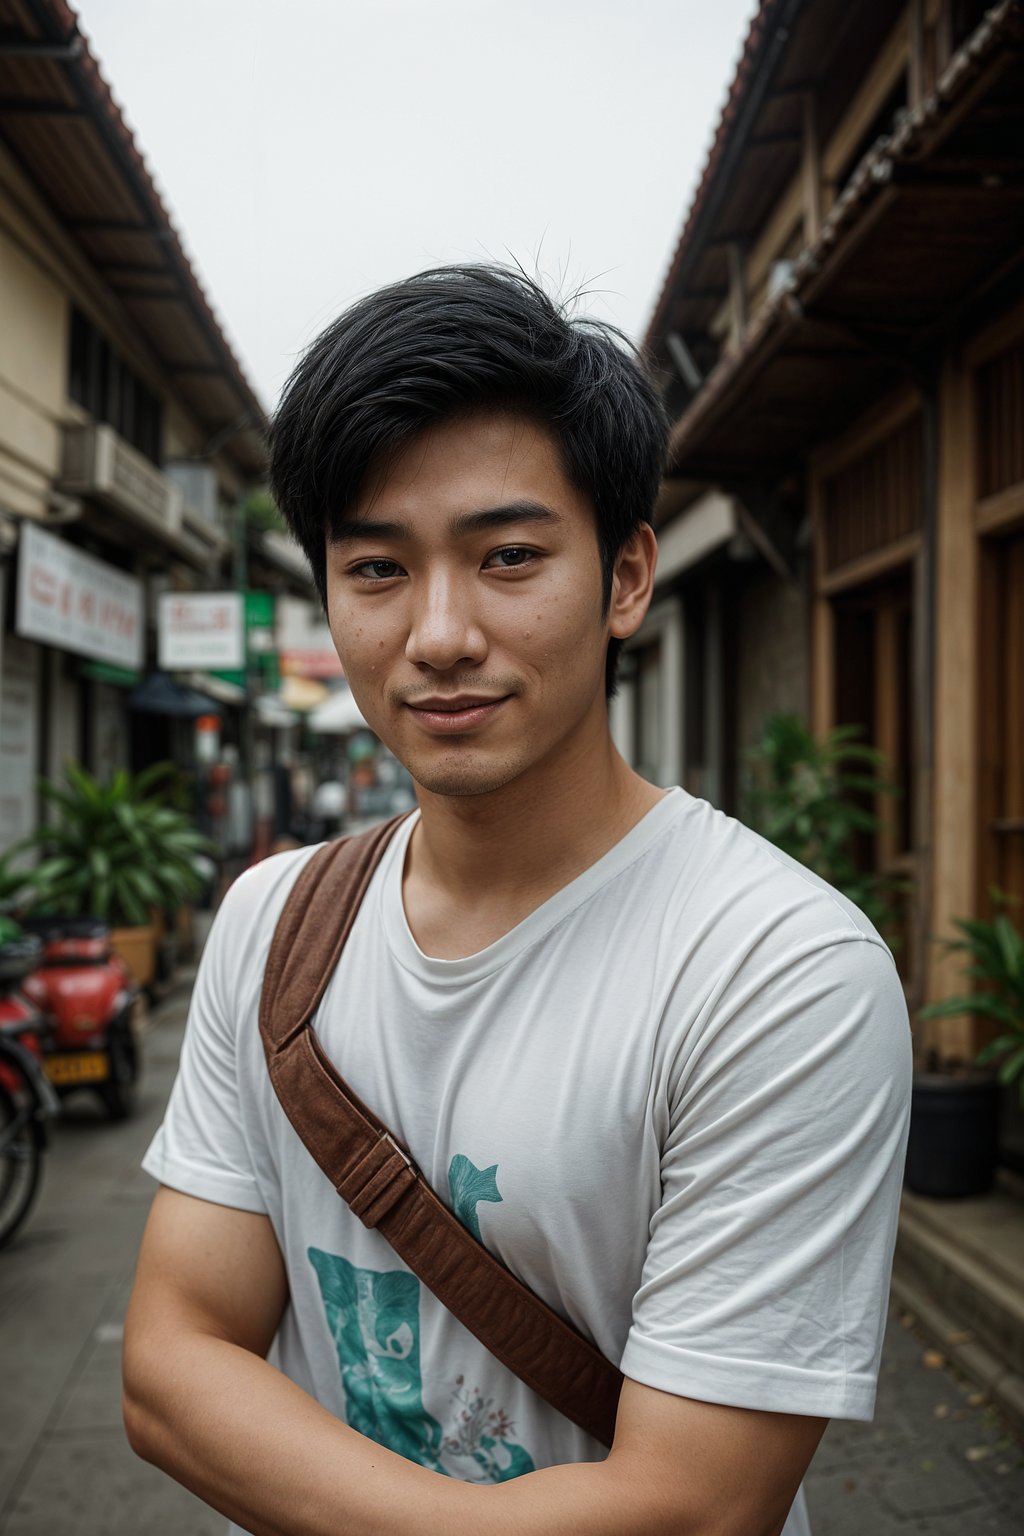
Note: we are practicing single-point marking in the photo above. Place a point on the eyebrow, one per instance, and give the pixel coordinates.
(465, 523)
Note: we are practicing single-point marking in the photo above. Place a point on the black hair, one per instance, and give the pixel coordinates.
(451, 341)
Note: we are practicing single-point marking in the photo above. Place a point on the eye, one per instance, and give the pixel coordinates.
(376, 570)
(510, 558)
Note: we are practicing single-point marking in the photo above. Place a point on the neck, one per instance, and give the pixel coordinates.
(534, 834)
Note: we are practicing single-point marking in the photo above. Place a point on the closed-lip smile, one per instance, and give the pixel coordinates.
(461, 714)
(460, 701)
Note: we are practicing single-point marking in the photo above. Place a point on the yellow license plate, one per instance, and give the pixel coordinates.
(83, 1067)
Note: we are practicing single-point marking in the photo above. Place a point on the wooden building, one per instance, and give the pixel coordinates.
(841, 338)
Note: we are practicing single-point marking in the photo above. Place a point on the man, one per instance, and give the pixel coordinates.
(656, 1066)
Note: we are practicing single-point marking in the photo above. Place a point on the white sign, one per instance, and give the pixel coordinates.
(74, 601)
(201, 629)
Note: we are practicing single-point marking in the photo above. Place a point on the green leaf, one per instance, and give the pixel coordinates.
(1009, 1069)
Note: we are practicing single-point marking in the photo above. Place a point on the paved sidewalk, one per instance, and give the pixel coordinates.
(935, 1461)
(65, 1467)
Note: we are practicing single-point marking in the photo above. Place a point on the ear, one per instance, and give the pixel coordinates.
(632, 583)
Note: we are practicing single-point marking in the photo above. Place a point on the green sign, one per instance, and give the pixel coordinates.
(260, 648)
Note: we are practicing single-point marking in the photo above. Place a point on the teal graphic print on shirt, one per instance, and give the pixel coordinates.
(468, 1185)
(374, 1319)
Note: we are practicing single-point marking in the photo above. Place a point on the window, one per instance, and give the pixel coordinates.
(103, 384)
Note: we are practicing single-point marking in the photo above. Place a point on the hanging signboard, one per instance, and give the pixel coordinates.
(304, 643)
(201, 629)
(72, 600)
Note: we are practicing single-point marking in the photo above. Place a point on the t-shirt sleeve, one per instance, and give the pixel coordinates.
(767, 1271)
(201, 1149)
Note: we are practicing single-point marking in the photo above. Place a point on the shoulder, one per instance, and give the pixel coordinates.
(258, 896)
(750, 893)
(243, 928)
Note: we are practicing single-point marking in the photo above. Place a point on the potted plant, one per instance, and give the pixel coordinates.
(115, 851)
(806, 796)
(954, 1116)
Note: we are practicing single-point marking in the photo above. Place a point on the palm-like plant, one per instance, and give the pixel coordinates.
(802, 794)
(995, 952)
(114, 850)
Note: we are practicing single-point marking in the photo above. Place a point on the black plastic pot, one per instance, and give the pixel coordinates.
(954, 1119)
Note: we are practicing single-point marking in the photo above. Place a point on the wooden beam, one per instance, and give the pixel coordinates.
(738, 298)
(683, 359)
(915, 54)
(944, 35)
(954, 827)
(810, 168)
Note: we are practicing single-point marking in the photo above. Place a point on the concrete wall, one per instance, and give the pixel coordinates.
(771, 653)
(33, 328)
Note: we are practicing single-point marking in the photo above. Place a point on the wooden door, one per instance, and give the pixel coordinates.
(1002, 716)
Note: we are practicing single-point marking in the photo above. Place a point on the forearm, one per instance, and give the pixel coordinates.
(255, 1446)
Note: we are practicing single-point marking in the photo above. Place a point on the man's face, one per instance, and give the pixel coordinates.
(465, 601)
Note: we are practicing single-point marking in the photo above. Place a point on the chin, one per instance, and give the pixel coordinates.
(461, 778)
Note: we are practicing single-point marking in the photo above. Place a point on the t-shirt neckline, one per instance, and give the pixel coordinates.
(536, 924)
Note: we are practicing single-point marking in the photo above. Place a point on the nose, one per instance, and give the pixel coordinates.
(444, 631)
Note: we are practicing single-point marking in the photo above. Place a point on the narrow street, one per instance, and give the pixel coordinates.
(65, 1467)
(936, 1460)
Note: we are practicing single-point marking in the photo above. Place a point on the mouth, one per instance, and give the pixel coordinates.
(457, 715)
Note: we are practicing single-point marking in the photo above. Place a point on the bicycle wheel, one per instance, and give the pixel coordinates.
(21, 1163)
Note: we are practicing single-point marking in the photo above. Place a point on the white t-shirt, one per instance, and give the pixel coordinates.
(673, 1100)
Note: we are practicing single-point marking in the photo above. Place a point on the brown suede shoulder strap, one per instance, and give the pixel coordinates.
(375, 1175)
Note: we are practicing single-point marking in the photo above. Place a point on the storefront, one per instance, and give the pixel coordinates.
(74, 638)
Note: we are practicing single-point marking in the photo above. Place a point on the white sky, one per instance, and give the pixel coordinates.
(310, 150)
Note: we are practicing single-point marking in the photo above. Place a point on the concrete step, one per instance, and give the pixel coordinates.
(960, 1268)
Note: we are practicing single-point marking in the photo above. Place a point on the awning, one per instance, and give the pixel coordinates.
(215, 688)
(159, 694)
(337, 715)
(303, 694)
(688, 536)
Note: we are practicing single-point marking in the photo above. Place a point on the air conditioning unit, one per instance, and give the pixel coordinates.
(100, 465)
(198, 481)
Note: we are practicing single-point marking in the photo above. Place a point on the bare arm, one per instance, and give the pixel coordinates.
(202, 1403)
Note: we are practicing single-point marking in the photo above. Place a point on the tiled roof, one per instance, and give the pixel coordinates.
(755, 47)
(1003, 24)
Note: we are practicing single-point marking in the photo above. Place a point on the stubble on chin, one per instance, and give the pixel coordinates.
(460, 779)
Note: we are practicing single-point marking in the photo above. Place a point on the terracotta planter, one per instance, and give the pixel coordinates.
(137, 948)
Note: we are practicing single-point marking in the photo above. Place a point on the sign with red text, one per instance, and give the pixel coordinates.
(72, 600)
(201, 629)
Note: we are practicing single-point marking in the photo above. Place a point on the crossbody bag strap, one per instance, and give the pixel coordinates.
(374, 1174)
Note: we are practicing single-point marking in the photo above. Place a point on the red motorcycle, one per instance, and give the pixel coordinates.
(26, 1098)
(92, 1008)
